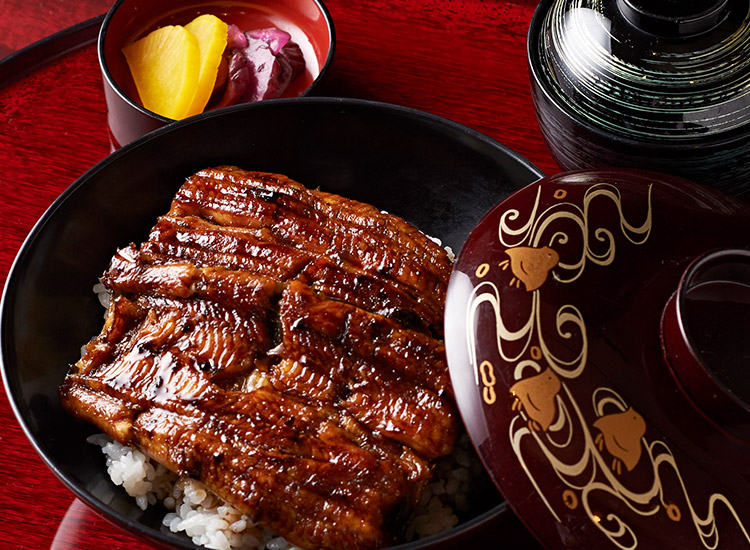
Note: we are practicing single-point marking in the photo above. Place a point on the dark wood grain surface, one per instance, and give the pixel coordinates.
(464, 60)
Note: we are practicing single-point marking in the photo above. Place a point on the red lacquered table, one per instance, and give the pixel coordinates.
(464, 60)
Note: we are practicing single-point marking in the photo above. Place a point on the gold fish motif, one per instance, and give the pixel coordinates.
(536, 395)
(621, 433)
(530, 265)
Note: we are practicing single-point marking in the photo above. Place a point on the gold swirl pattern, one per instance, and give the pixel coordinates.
(536, 228)
(590, 459)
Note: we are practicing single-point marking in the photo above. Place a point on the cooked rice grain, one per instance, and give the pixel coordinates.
(212, 523)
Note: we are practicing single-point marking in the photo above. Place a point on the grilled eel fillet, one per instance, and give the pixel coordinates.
(282, 345)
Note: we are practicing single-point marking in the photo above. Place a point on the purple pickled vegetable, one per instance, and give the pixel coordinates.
(261, 65)
(293, 54)
(238, 81)
(275, 38)
(236, 39)
(285, 74)
(292, 64)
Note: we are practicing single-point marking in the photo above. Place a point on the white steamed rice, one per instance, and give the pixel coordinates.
(212, 523)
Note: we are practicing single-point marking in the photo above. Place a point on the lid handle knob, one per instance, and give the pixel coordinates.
(706, 337)
(674, 18)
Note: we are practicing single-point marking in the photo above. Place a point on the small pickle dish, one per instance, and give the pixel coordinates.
(279, 48)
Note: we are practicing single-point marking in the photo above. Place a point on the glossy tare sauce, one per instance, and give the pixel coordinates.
(284, 346)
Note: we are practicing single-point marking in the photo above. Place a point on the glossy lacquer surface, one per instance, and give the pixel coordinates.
(658, 85)
(609, 418)
(464, 61)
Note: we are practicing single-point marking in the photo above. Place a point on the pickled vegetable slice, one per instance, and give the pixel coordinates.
(211, 33)
(165, 65)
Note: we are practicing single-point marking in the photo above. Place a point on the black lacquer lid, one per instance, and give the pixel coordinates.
(652, 71)
(674, 18)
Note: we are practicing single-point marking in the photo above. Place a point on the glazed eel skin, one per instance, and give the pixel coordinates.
(284, 346)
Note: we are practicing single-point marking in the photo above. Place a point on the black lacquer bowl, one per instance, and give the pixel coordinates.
(649, 84)
(439, 175)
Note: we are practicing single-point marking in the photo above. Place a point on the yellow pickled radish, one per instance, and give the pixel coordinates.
(165, 65)
(211, 33)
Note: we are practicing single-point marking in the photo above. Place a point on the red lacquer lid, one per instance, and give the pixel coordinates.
(598, 325)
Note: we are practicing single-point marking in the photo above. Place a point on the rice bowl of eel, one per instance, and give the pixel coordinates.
(326, 144)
